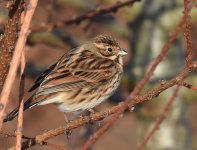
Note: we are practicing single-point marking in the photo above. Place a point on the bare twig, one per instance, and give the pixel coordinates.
(16, 58)
(101, 115)
(21, 105)
(187, 85)
(159, 120)
(187, 5)
(100, 11)
(88, 16)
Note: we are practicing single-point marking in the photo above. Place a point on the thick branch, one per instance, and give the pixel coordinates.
(16, 58)
(7, 44)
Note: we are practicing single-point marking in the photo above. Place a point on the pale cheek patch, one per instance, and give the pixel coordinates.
(112, 57)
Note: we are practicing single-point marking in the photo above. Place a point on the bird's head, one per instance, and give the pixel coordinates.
(106, 46)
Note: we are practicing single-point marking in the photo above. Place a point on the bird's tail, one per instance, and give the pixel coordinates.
(14, 113)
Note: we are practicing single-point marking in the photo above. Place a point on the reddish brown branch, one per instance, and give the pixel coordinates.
(187, 85)
(187, 4)
(21, 105)
(100, 11)
(11, 135)
(9, 39)
(101, 115)
(88, 16)
(159, 120)
(16, 58)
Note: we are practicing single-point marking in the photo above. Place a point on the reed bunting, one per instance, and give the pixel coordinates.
(81, 79)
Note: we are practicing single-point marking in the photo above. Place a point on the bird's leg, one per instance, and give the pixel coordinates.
(67, 132)
(66, 118)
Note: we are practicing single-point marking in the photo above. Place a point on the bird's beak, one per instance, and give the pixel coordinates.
(122, 52)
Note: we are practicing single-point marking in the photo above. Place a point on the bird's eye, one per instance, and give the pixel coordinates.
(109, 49)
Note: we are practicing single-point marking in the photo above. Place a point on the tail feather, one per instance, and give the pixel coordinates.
(14, 113)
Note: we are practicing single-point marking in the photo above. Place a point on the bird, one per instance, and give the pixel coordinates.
(81, 79)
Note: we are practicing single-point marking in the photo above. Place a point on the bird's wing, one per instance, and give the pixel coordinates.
(63, 76)
(41, 78)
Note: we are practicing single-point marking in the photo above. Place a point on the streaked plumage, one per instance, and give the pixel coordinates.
(81, 79)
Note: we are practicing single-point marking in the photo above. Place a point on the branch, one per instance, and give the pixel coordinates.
(187, 85)
(9, 38)
(16, 58)
(21, 105)
(159, 120)
(100, 11)
(187, 5)
(88, 16)
(39, 139)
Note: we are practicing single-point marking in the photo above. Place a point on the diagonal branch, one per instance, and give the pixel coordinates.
(16, 58)
(101, 11)
(21, 105)
(89, 16)
(159, 119)
(189, 52)
(9, 38)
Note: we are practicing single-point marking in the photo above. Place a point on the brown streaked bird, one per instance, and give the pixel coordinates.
(81, 79)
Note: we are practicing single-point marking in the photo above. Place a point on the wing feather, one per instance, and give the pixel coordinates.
(64, 77)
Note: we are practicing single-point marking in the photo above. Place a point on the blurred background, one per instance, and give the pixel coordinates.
(142, 30)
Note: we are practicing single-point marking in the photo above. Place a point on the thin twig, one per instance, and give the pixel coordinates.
(187, 4)
(88, 16)
(16, 58)
(187, 85)
(159, 120)
(21, 104)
